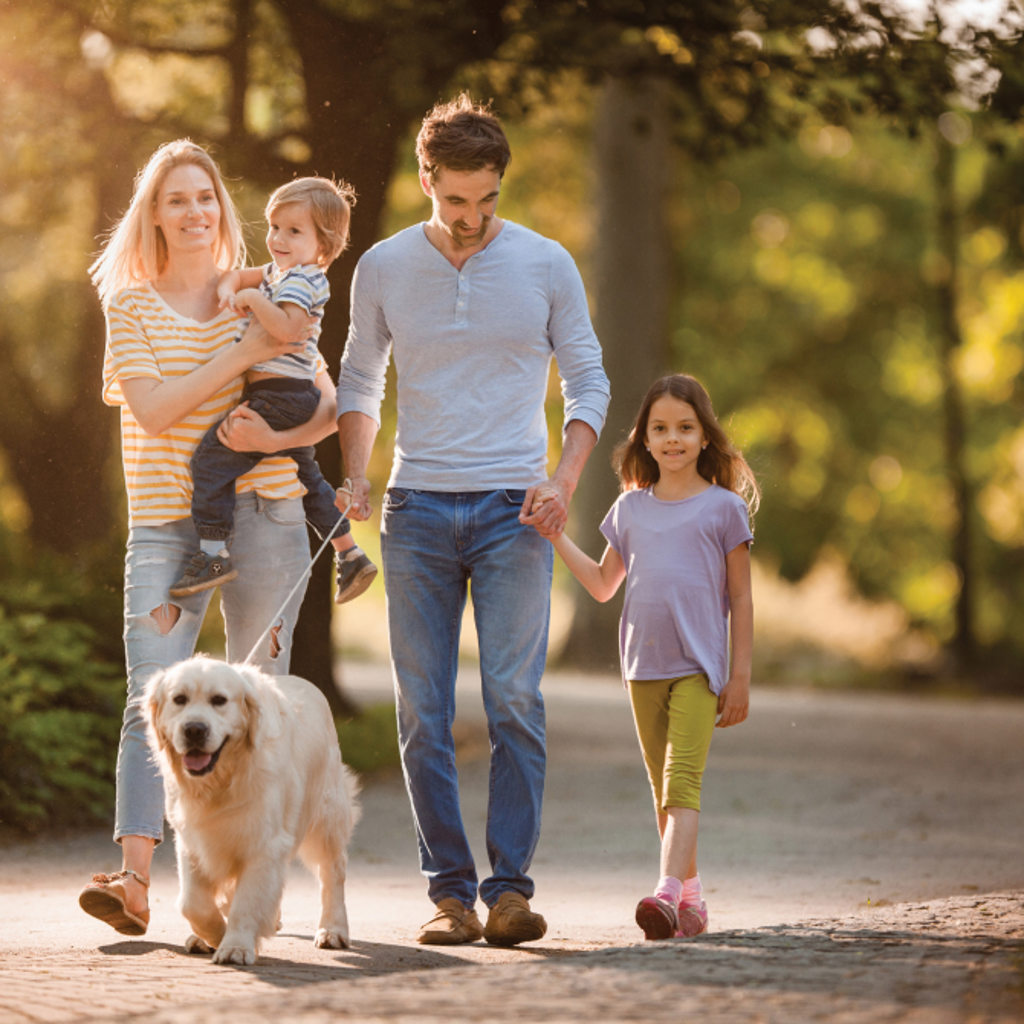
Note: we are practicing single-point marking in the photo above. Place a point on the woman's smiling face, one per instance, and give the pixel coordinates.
(187, 210)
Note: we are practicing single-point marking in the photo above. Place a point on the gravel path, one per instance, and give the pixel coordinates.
(862, 856)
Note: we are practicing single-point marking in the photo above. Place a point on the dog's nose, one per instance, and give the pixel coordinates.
(196, 733)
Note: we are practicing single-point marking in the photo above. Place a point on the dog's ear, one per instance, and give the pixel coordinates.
(251, 702)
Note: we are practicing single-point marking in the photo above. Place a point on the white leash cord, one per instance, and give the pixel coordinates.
(346, 487)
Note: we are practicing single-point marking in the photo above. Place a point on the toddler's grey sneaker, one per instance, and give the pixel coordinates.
(355, 573)
(202, 573)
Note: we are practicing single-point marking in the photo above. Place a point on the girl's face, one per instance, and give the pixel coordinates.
(674, 436)
(291, 236)
(187, 210)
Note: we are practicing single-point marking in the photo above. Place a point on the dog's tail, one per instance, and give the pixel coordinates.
(353, 787)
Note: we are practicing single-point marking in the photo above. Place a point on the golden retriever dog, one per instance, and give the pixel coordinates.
(253, 776)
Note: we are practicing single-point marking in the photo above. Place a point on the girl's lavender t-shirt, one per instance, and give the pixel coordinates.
(675, 617)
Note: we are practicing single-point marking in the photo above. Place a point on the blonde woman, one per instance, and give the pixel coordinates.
(173, 368)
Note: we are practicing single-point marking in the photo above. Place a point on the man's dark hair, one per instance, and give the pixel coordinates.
(461, 135)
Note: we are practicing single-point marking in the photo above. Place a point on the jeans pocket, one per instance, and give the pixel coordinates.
(514, 498)
(284, 511)
(396, 498)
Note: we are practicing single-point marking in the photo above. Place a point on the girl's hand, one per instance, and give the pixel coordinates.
(733, 703)
(244, 430)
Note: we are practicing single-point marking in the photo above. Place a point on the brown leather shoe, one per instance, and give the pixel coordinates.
(452, 925)
(511, 921)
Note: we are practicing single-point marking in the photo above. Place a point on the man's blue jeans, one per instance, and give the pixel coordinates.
(435, 544)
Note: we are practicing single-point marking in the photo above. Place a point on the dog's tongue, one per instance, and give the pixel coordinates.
(197, 760)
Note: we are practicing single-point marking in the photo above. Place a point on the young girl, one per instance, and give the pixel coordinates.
(679, 534)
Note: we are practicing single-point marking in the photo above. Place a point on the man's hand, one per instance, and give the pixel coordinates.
(546, 509)
(358, 491)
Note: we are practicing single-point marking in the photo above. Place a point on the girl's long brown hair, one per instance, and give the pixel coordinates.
(719, 463)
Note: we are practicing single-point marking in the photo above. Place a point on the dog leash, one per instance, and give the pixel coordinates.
(346, 487)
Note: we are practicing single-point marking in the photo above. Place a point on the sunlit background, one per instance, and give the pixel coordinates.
(815, 208)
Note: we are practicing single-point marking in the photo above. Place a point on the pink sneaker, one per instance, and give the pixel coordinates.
(693, 919)
(657, 918)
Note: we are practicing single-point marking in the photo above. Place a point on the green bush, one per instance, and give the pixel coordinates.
(369, 742)
(61, 696)
(62, 689)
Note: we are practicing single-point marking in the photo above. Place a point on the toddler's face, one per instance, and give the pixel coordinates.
(291, 237)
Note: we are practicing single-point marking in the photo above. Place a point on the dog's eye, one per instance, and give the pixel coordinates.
(218, 700)
(180, 699)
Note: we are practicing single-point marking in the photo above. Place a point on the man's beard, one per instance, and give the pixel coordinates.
(462, 237)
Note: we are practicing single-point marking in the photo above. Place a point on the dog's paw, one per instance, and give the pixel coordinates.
(244, 956)
(326, 938)
(194, 944)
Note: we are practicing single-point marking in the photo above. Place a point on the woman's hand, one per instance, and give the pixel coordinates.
(244, 430)
(259, 345)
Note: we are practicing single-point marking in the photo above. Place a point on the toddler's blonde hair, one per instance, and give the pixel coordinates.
(330, 208)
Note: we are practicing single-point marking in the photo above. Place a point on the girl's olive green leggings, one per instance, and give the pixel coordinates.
(675, 719)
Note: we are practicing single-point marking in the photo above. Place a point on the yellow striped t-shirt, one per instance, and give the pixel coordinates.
(147, 338)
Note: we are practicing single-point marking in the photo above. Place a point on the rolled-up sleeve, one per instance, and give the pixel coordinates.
(585, 388)
(364, 363)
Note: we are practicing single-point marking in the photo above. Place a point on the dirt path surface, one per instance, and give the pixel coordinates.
(863, 857)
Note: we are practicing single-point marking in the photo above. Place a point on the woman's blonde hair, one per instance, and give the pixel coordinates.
(135, 250)
(719, 463)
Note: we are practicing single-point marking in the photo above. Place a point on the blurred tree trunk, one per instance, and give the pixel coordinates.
(60, 453)
(963, 645)
(631, 283)
(358, 121)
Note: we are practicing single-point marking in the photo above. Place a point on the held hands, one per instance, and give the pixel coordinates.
(358, 488)
(733, 703)
(546, 509)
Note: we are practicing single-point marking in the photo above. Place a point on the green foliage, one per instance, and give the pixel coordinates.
(61, 694)
(369, 742)
(810, 312)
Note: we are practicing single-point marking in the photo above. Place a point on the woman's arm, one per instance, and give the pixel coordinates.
(734, 700)
(246, 431)
(602, 579)
(287, 321)
(158, 405)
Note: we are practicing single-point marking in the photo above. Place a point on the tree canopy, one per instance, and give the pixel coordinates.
(806, 276)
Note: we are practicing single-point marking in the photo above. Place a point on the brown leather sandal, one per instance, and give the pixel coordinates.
(104, 897)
